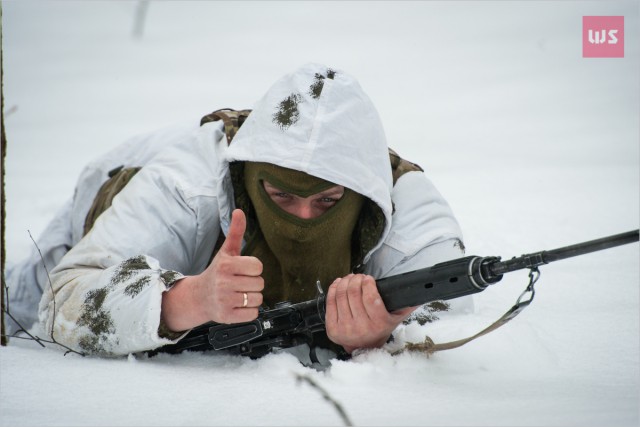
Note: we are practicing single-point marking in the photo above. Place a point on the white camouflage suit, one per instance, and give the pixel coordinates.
(164, 224)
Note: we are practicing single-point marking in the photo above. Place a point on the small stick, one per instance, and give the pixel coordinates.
(338, 407)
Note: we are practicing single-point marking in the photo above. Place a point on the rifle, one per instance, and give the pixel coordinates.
(291, 324)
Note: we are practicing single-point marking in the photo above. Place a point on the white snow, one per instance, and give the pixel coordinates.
(534, 146)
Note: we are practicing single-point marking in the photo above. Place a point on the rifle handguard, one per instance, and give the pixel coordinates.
(444, 281)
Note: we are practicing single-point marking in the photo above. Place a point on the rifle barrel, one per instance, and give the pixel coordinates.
(545, 257)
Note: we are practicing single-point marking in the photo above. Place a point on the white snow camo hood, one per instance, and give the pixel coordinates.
(319, 121)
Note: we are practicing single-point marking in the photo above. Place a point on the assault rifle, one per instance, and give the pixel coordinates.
(289, 325)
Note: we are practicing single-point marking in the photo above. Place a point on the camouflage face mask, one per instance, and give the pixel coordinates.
(297, 252)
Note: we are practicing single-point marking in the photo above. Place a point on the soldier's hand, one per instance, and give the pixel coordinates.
(356, 316)
(228, 291)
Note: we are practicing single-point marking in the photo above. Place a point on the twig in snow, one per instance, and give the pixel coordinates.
(139, 19)
(24, 330)
(11, 110)
(7, 311)
(53, 320)
(338, 407)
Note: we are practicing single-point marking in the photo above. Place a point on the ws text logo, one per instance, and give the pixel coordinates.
(603, 36)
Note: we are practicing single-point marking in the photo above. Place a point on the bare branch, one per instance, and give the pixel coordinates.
(53, 295)
(139, 18)
(23, 329)
(3, 149)
(338, 407)
(31, 337)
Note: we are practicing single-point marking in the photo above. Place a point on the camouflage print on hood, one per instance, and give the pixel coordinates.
(319, 121)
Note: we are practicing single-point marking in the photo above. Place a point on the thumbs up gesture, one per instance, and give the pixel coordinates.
(228, 291)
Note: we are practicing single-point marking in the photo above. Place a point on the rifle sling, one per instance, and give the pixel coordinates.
(429, 347)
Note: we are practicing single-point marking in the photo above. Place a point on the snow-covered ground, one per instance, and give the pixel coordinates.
(534, 146)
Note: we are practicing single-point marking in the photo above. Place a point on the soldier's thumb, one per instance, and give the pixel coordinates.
(233, 243)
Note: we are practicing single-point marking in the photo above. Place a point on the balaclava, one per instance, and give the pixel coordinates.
(297, 252)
